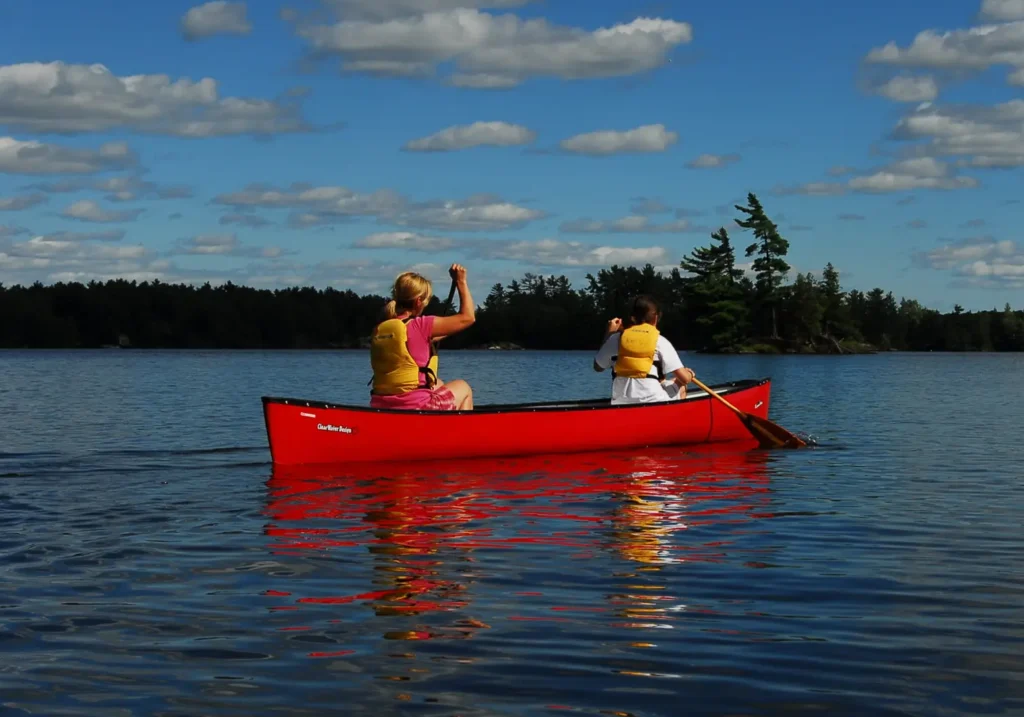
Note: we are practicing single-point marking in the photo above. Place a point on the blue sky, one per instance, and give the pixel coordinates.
(338, 142)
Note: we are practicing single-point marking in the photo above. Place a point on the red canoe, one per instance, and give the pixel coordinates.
(314, 432)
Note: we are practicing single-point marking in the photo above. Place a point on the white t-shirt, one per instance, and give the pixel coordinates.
(640, 390)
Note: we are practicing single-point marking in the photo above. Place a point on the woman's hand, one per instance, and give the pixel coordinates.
(684, 376)
(458, 273)
(614, 325)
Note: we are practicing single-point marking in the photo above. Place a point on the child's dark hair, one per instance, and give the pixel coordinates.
(643, 310)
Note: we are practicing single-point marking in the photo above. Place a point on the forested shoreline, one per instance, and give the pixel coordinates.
(709, 305)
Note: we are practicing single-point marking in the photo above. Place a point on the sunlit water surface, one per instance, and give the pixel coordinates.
(152, 562)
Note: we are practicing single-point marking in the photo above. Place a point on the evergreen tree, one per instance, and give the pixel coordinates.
(714, 296)
(770, 247)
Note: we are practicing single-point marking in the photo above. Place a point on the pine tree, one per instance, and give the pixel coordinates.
(770, 247)
(713, 296)
(714, 260)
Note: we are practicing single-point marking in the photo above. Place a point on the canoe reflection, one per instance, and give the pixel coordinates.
(428, 527)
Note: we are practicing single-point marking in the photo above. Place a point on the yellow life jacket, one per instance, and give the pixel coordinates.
(637, 345)
(395, 371)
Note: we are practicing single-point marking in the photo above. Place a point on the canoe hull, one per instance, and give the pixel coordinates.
(304, 432)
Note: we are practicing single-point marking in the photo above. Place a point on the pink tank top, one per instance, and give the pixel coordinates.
(418, 330)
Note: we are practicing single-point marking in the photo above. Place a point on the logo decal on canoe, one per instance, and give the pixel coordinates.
(333, 429)
(307, 415)
(758, 404)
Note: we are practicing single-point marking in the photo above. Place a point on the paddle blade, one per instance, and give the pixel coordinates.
(771, 435)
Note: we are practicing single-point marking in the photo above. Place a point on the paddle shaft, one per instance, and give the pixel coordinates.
(451, 295)
(712, 393)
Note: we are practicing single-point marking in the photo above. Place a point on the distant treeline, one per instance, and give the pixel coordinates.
(708, 306)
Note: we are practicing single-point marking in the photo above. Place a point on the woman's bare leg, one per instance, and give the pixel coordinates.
(463, 394)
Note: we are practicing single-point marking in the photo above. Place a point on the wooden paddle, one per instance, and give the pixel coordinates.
(768, 434)
(451, 295)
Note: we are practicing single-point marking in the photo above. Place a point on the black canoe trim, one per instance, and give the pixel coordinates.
(592, 404)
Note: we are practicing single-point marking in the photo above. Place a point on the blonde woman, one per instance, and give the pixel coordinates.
(402, 351)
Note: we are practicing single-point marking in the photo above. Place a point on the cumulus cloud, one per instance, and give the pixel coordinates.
(33, 157)
(89, 211)
(646, 138)
(111, 235)
(552, 252)
(58, 97)
(225, 245)
(413, 39)
(473, 214)
(969, 50)
(983, 136)
(542, 253)
(381, 10)
(636, 224)
(117, 189)
(900, 176)
(16, 204)
(215, 18)
(405, 240)
(478, 134)
(56, 256)
(982, 261)
(908, 88)
(712, 161)
(1002, 10)
(330, 204)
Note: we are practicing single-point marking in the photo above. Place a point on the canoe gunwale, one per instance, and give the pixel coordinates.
(590, 404)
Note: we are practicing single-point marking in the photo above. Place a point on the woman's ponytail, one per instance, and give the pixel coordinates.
(390, 310)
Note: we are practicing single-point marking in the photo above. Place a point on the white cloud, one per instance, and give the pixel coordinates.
(117, 189)
(953, 254)
(551, 252)
(983, 261)
(473, 214)
(488, 51)
(89, 211)
(405, 240)
(16, 204)
(110, 235)
(478, 134)
(44, 254)
(908, 88)
(325, 205)
(711, 161)
(225, 245)
(900, 176)
(974, 49)
(379, 10)
(637, 224)
(1002, 10)
(919, 173)
(646, 138)
(985, 136)
(33, 157)
(215, 18)
(58, 97)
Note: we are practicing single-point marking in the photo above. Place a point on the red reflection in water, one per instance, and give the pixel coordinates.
(423, 524)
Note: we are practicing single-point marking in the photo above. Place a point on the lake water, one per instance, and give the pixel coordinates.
(152, 563)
